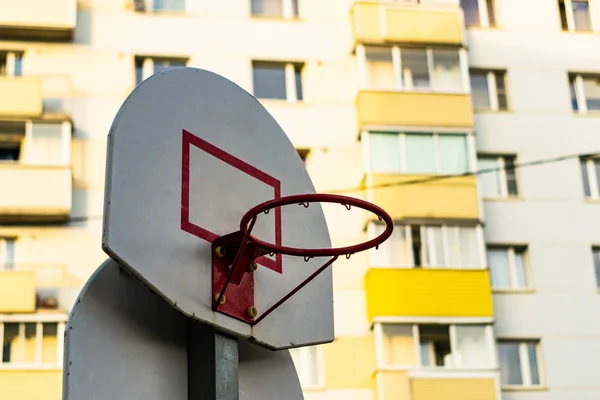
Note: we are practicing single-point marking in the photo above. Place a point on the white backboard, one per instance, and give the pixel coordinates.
(189, 152)
(124, 342)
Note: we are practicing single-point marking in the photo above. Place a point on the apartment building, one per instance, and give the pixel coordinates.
(488, 287)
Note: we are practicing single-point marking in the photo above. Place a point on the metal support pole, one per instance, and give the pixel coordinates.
(212, 364)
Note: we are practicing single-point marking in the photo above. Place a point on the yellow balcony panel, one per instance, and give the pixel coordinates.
(450, 198)
(30, 384)
(349, 363)
(17, 292)
(386, 23)
(425, 292)
(38, 19)
(453, 389)
(21, 96)
(394, 385)
(414, 109)
(37, 192)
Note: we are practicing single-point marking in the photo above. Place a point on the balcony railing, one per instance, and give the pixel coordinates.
(38, 19)
(20, 96)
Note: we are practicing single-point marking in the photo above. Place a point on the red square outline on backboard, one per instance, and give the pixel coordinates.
(189, 140)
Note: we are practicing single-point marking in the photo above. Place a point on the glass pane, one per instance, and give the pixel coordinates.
(384, 152)
(29, 354)
(533, 364)
(269, 81)
(425, 349)
(574, 103)
(453, 154)
(434, 246)
(490, 181)
(139, 71)
(453, 245)
(415, 72)
(420, 154)
(46, 144)
(480, 91)
(9, 254)
(50, 343)
(446, 70)
(469, 246)
(298, 79)
(510, 363)
(491, 13)
(398, 345)
(169, 5)
(272, 8)
(586, 178)
(18, 65)
(581, 15)
(295, 9)
(501, 90)
(10, 343)
(393, 251)
(597, 266)
(498, 263)
(591, 88)
(520, 269)
(161, 64)
(597, 170)
(473, 347)
(471, 10)
(511, 176)
(379, 68)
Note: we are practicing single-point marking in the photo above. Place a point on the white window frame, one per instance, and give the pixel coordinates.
(306, 362)
(512, 269)
(149, 8)
(288, 10)
(592, 178)
(5, 243)
(501, 175)
(148, 64)
(525, 364)
(401, 135)
(39, 320)
(492, 86)
(430, 242)
(400, 84)
(482, 8)
(290, 81)
(580, 93)
(594, 24)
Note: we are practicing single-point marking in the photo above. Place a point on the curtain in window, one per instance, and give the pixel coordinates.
(432, 238)
(384, 152)
(398, 345)
(393, 251)
(472, 347)
(46, 144)
(420, 154)
(453, 154)
(469, 247)
(415, 71)
(499, 271)
(490, 181)
(446, 70)
(380, 68)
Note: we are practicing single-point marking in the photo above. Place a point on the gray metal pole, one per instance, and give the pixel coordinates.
(212, 364)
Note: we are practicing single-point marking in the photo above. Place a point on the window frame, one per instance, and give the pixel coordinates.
(22, 319)
(596, 264)
(291, 88)
(147, 65)
(401, 133)
(484, 15)
(399, 85)
(592, 177)
(290, 11)
(306, 364)
(511, 250)
(148, 6)
(12, 58)
(524, 363)
(576, 83)
(429, 242)
(5, 243)
(570, 16)
(492, 86)
(502, 175)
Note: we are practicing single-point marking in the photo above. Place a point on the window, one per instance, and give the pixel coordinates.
(303, 153)
(575, 15)
(590, 171)
(479, 13)
(441, 246)
(508, 270)
(417, 153)
(308, 363)
(275, 8)
(31, 343)
(435, 345)
(7, 254)
(159, 5)
(501, 180)
(145, 67)
(275, 80)
(596, 256)
(585, 93)
(11, 64)
(411, 68)
(519, 363)
(47, 143)
(488, 90)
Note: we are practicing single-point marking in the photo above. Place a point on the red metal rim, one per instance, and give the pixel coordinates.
(318, 198)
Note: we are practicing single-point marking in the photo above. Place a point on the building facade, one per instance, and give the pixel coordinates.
(473, 122)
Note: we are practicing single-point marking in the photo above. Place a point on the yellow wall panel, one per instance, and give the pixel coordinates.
(428, 292)
(38, 13)
(453, 389)
(350, 362)
(445, 198)
(20, 96)
(367, 22)
(17, 292)
(395, 385)
(31, 385)
(414, 109)
(423, 26)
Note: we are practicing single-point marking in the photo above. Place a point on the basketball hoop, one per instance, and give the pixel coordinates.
(237, 251)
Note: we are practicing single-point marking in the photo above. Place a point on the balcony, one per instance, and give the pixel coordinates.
(17, 292)
(31, 384)
(414, 109)
(34, 192)
(450, 198)
(426, 292)
(404, 23)
(21, 96)
(38, 19)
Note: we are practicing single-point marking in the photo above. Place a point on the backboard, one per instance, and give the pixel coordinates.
(190, 152)
(124, 342)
